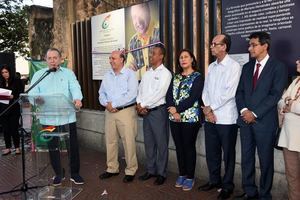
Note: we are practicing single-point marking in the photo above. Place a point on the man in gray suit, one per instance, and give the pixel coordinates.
(261, 85)
(151, 105)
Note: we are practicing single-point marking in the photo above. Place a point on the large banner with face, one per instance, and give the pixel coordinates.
(133, 29)
(280, 18)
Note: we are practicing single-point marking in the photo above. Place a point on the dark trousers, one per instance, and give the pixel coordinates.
(185, 136)
(156, 139)
(263, 141)
(73, 151)
(10, 125)
(220, 137)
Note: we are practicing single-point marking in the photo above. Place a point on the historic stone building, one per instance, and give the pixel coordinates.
(40, 30)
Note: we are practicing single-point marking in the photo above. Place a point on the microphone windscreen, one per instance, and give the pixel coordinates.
(52, 69)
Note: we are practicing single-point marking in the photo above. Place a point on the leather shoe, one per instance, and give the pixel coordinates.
(246, 197)
(159, 180)
(209, 186)
(128, 178)
(146, 176)
(224, 194)
(106, 175)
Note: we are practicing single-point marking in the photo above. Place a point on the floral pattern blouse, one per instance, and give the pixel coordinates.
(181, 90)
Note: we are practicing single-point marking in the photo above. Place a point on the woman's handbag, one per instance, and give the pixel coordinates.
(277, 139)
(280, 119)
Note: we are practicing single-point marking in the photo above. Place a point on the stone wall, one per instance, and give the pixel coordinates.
(90, 126)
(40, 30)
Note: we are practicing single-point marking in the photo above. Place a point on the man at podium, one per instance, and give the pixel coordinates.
(60, 81)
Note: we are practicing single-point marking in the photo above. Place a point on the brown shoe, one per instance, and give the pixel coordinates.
(18, 151)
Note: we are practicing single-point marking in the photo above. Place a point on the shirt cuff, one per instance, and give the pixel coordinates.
(113, 105)
(241, 111)
(143, 105)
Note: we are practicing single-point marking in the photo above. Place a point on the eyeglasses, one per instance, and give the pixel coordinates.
(253, 45)
(214, 44)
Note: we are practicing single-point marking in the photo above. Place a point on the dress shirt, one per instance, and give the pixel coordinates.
(153, 87)
(219, 89)
(61, 82)
(119, 89)
(262, 63)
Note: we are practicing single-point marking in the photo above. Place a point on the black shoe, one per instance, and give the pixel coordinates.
(57, 180)
(209, 186)
(128, 178)
(146, 176)
(159, 180)
(106, 175)
(246, 197)
(224, 194)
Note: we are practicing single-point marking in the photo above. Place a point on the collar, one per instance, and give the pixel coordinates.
(121, 72)
(263, 61)
(148, 33)
(224, 62)
(160, 67)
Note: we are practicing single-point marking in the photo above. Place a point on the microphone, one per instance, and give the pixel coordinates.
(52, 70)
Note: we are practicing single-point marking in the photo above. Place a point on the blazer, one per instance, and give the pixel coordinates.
(264, 98)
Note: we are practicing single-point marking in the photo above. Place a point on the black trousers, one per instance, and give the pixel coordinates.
(220, 137)
(10, 125)
(185, 136)
(73, 151)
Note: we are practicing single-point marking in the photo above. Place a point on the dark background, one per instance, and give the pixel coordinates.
(285, 44)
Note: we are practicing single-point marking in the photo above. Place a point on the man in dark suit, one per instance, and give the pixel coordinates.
(261, 85)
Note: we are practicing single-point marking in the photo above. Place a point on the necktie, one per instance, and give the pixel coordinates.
(255, 76)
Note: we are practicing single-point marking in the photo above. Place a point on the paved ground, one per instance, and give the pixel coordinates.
(92, 164)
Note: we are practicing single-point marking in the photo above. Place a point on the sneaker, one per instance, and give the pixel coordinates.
(57, 180)
(188, 184)
(179, 181)
(5, 152)
(77, 179)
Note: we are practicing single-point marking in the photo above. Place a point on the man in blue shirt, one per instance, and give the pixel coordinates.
(60, 81)
(117, 94)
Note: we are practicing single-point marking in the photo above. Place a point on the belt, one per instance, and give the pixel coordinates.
(155, 108)
(123, 107)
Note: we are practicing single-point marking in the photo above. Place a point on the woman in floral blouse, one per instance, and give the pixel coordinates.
(183, 102)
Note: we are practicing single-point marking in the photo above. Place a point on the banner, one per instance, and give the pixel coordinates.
(108, 34)
(36, 65)
(281, 19)
(134, 29)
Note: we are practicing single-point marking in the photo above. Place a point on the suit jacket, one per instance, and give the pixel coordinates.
(264, 98)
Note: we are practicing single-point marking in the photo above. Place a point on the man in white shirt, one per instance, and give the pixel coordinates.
(151, 105)
(221, 114)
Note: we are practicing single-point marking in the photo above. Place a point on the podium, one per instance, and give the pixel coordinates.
(48, 117)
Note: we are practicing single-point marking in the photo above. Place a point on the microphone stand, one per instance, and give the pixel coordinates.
(24, 188)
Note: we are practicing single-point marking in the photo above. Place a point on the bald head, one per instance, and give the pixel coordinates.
(117, 60)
